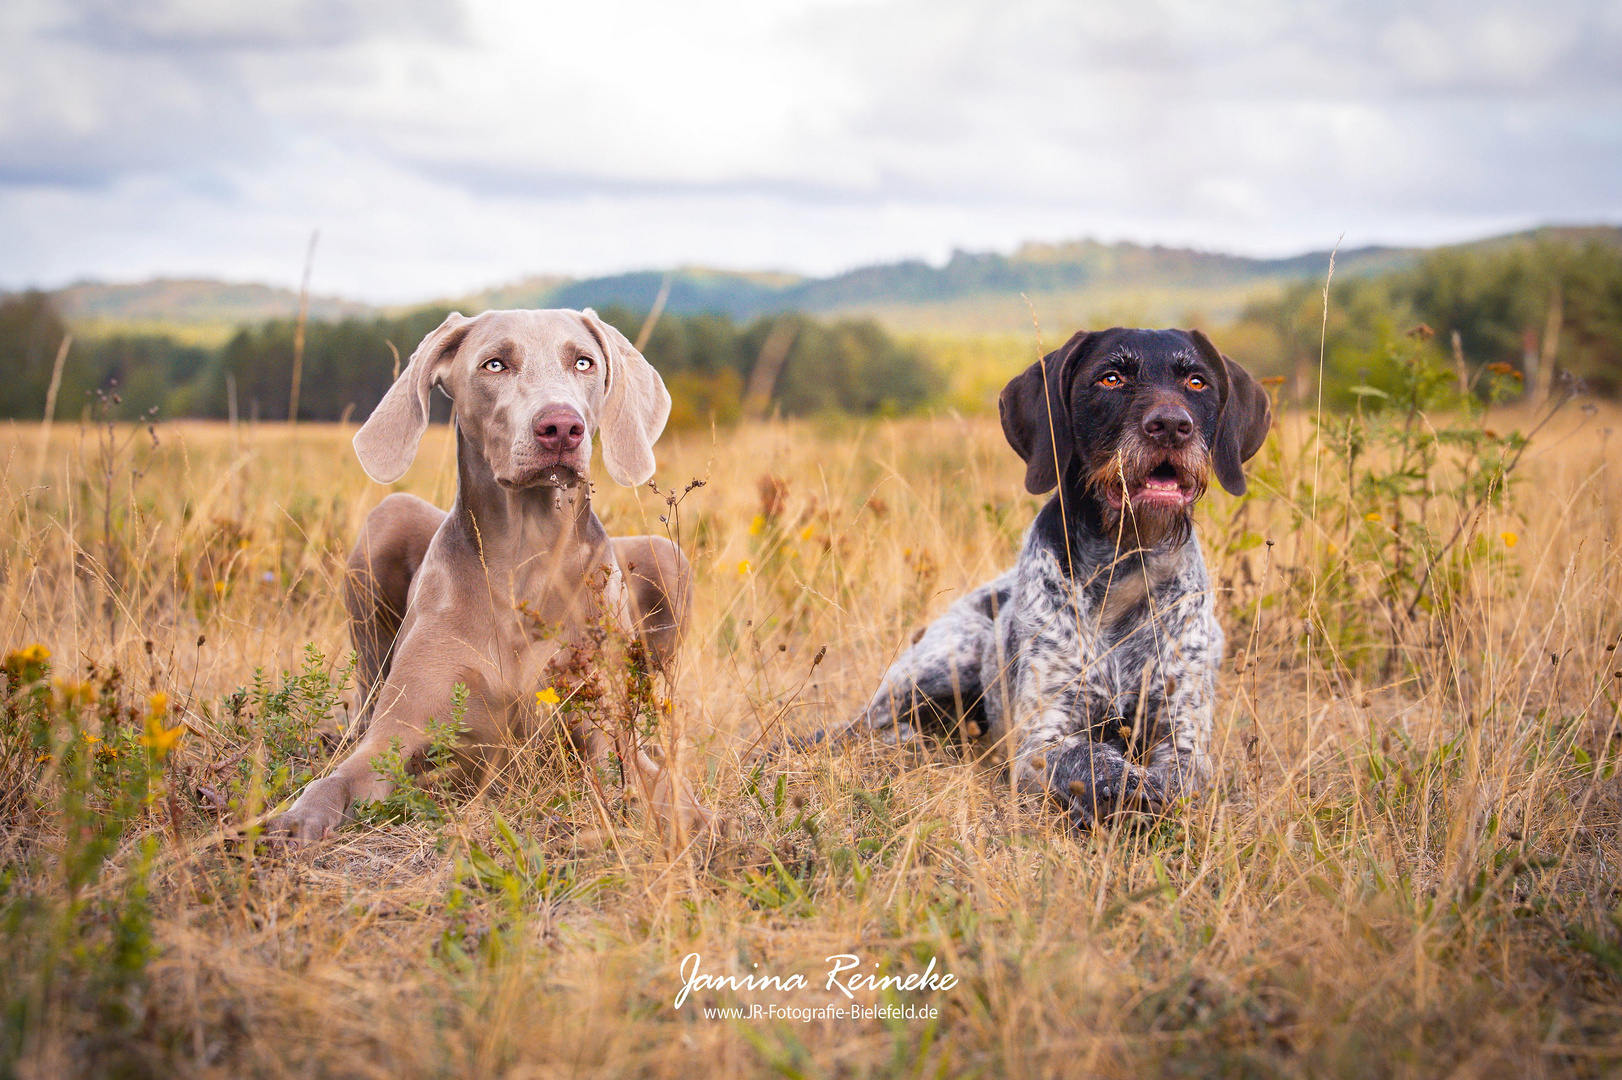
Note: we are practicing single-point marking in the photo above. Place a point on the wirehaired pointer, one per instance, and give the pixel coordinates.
(1092, 663)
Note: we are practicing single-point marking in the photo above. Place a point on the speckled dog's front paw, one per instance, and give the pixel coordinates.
(1094, 780)
(1168, 783)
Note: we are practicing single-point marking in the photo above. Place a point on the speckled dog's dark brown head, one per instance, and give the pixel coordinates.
(1133, 423)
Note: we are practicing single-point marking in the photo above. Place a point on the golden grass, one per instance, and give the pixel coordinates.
(1408, 874)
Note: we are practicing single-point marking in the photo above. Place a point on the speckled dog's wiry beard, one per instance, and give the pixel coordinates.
(1117, 482)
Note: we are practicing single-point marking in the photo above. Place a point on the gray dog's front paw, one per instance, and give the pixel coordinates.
(320, 809)
(1094, 780)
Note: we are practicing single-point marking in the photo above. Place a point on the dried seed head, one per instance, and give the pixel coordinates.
(1078, 789)
(1039, 763)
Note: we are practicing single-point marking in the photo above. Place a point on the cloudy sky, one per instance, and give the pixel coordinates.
(442, 145)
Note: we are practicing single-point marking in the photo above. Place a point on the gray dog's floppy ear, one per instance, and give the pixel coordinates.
(635, 405)
(387, 443)
(1035, 413)
(1245, 416)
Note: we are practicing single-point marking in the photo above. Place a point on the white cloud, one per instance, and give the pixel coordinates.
(441, 148)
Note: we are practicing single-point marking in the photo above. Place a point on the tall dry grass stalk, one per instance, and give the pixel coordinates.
(1440, 899)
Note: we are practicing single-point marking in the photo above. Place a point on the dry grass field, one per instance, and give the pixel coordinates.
(1408, 864)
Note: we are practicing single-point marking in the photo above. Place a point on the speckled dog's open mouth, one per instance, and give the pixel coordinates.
(1165, 485)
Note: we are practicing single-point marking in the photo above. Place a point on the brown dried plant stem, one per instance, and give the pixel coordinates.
(298, 329)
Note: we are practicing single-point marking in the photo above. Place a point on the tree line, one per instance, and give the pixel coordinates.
(1549, 310)
(793, 364)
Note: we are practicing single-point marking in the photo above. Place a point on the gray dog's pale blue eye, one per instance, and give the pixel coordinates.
(583, 364)
(494, 365)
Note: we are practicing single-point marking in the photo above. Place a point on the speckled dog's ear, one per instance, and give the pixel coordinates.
(1244, 421)
(1035, 412)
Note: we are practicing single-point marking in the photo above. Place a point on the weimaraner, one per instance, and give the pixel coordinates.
(502, 591)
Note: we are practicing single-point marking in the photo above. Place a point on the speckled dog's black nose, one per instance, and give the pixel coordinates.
(1168, 425)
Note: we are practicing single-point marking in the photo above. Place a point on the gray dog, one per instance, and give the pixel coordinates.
(502, 591)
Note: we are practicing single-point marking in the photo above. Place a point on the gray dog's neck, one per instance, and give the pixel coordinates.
(540, 526)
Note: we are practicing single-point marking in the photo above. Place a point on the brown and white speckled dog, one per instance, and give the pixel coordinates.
(1092, 663)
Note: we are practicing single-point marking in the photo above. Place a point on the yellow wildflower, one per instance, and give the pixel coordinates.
(27, 664)
(805, 533)
(75, 693)
(219, 588)
(31, 656)
(159, 739)
(743, 566)
(1373, 515)
(1509, 538)
(549, 696)
(758, 525)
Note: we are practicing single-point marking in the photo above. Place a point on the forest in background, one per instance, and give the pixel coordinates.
(1545, 305)
(795, 364)
(1547, 309)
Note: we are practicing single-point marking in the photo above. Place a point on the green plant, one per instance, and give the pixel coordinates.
(415, 794)
(278, 727)
(516, 873)
(76, 943)
(1416, 467)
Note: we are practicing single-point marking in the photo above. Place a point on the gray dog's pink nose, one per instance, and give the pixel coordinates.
(559, 429)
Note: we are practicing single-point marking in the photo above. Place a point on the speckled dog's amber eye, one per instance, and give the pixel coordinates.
(1109, 380)
(1197, 382)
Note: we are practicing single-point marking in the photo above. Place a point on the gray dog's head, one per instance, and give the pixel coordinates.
(530, 388)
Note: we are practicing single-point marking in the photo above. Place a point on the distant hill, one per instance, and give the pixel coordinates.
(184, 300)
(978, 291)
(1066, 284)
